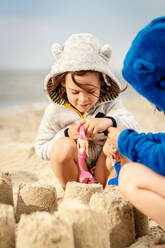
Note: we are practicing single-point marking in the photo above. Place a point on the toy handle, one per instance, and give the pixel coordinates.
(82, 132)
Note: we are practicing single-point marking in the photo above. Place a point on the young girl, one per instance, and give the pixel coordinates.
(83, 90)
(143, 180)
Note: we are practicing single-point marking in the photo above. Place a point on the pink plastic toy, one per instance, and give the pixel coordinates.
(82, 145)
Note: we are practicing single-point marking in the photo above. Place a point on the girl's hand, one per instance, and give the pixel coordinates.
(95, 125)
(72, 132)
(113, 134)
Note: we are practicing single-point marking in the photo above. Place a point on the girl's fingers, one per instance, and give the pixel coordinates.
(86, 125)
(81, 122)
(78, 145)
(95, 131)
(90, 130)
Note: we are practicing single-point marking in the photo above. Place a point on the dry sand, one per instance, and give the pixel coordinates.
(18, 132)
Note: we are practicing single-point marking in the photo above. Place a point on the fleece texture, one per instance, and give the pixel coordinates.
(82, 52)
(59, 117)
(144, 69)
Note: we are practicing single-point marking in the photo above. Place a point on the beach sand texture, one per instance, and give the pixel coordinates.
(17, 156)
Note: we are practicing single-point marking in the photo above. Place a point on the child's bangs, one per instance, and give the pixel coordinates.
(108, 92)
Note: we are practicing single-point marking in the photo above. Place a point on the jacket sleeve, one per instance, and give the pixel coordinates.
(46, 137)
(122, 116)
(147, 149)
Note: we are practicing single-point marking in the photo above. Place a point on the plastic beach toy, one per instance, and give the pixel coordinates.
(117, 165)
(83, 143)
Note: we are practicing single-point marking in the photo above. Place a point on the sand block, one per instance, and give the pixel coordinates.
(120, 215)
(33, 198)
(6, 190)
(141, 220)
(141, 223)
(90, 227)
(7, 226)
(144, 242)
(44, 230)
(81, 191)
(156, 230)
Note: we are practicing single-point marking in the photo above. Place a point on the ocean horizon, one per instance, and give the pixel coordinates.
(25, 89)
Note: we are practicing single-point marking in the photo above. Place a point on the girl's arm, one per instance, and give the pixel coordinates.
(114, 115)
(48, 133)
(147, 149)
(121, 115)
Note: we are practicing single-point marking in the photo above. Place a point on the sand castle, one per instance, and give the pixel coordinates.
(81, 191)
(43, 230)
(6, 186)
(32, 198)
(7, 226)
(90, 227)
(88, 216)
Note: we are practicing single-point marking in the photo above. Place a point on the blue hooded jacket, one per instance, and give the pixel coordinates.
(144, 69)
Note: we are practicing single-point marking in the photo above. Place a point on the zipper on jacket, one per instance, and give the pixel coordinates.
(68, 105)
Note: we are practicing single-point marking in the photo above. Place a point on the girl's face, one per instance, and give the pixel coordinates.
(83, 99)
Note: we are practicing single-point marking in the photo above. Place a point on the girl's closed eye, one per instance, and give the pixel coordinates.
(91, 91)
(75, 92)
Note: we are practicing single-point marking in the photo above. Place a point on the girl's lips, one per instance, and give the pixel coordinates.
(83, 105)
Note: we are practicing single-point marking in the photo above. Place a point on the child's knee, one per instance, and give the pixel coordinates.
(127, 182)
(63, 149)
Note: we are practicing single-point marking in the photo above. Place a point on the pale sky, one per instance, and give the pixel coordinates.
(28, 28)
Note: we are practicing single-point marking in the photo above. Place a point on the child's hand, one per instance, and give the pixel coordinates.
(73, 133)
(95, 125)
(113, 134)
(109, 149)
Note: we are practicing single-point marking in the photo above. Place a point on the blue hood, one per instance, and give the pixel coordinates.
(144, 64)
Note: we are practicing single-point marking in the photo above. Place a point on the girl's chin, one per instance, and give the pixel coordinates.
(83, 109)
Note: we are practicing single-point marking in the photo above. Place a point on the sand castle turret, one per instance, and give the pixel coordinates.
(90, 227)
(6, 191)
(7, 226)
(81, 191)
(32, 198)
(120, 215)
(141, 223)
(43, 230)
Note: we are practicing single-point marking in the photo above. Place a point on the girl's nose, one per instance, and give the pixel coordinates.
(83, 97)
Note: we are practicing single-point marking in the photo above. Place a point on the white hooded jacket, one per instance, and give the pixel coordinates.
(80, 52)
(59, 117)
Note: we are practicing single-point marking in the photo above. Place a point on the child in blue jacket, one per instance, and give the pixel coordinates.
(142, 181)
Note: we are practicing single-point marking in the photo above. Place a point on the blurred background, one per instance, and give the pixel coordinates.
(29, 28)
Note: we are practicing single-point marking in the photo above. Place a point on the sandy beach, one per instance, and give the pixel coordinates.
(18, 132)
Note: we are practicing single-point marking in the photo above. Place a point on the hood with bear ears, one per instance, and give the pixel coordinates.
(144, 64)
(81, 52)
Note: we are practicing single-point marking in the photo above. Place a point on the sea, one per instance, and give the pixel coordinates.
(20, 90)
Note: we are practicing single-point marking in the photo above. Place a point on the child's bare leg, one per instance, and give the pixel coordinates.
(124, 160)
(64, 160)
(103, 169)
(145, 189)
